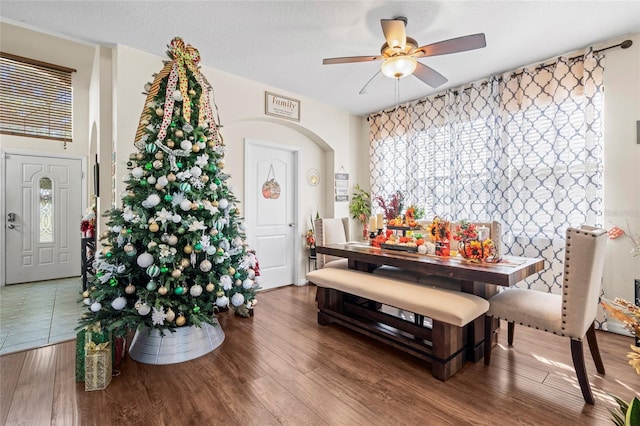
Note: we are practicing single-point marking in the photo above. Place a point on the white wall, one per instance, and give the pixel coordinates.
(622, 166)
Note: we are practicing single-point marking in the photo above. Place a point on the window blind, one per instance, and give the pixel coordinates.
(36, 98)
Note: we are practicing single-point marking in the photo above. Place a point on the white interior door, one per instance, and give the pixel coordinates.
(270, 214)
(43, 210)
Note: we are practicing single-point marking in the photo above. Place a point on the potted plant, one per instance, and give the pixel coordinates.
(628, 414)
(310, 237)
(360, 208)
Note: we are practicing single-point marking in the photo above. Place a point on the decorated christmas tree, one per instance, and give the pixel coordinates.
(175, 253)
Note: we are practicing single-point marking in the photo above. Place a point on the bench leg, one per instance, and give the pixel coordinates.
(448, 343)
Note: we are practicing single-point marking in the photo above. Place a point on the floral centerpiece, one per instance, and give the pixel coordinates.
(440, 232)
(393, 207)
(310, 238)
(470, 247)
(88, 222)
(629, 315)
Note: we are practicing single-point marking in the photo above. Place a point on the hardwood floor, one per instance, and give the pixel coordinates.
(281, 367)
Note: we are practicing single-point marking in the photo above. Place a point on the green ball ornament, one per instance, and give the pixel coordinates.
(179, 164)
(217, 181)
(152, 285)
(109, 254)
(201, 207)
(196, 309)
(153, 270)
(236, 275)
(212, 168)
(168, 197)
(198, 246)
(113, 282)
(181, 230)
(129, 231)
(148, 166)
(179, 290)
(143, 182)
(173, 124)
(185, 187)
(164, 270)
(99, 274)
(151, 148)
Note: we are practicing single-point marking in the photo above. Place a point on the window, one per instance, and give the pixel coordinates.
(35, 99)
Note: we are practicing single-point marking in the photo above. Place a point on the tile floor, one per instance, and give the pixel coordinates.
(39, 313)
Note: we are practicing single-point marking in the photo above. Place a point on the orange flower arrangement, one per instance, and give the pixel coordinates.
(477, 250)
(439, 229)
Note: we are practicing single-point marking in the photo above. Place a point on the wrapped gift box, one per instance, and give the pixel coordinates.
(98, 366)
(83, 337)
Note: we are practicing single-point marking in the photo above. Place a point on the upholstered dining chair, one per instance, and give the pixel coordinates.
(331, 231)
(570, 314)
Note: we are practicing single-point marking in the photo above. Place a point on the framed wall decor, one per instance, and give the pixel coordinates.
(281, 106)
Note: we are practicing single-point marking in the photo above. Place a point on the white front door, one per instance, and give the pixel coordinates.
(42, 199)
(270, 197)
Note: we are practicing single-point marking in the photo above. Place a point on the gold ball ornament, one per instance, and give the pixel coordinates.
(179, 133)
(210, 287)
(154, 227)
(159, 187)
(85, 294)
(214, 203)
(123, 231)
(162, 290)
(159, 155)
(144, 122)
(170, 143)
(181, 320)
(139, 156)
(220, 293)
(169, 315)
(231, 270)
(176, 273)
(192, 92)
(195, 148)
(211, 144)
(204, 178)
(188, 249)
(185, 263)
(214, 232)
(157, 164)
(220, 165)
(159, 112)
(238, 211)
(194, 206)
(130, 289)
(171, 177)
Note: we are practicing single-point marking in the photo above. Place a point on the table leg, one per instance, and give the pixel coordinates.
(475, 329)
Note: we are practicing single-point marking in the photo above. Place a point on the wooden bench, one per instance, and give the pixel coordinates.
(355, 300)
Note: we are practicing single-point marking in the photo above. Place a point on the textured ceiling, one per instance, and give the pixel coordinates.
(282, 43)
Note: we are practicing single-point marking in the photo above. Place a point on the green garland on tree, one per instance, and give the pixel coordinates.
(175, 253)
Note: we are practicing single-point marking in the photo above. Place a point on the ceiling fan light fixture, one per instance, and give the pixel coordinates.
(399, 66)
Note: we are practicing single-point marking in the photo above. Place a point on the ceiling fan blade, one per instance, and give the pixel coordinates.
(453, 45)
(363, 91)
(395, 33)
(429, 76)
(348, 59)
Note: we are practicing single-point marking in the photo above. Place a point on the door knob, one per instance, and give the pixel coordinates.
(292, 224)
(11, 226)
(11, 217)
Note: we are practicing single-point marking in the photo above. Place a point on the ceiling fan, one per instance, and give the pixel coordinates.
(400, 53)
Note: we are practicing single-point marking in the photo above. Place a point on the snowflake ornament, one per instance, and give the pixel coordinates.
(158, 316)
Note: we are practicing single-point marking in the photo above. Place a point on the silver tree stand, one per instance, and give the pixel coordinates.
(186, 343)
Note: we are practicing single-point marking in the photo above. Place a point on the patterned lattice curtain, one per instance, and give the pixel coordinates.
(523, 148)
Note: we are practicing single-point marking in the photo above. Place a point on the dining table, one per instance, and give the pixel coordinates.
(480, 278)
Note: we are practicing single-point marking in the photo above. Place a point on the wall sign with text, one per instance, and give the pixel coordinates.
(281, 106)
(342, 186)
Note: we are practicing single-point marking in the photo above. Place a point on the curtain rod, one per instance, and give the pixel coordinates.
(624, 45)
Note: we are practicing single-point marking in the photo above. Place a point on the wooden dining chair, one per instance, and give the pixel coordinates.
(570, 314)
(331, 231)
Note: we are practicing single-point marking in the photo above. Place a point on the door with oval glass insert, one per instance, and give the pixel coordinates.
(43, 208)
